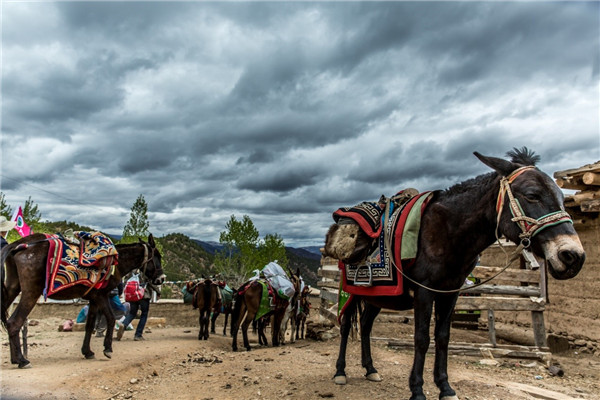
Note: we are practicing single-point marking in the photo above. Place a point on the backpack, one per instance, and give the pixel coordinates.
(133, 290)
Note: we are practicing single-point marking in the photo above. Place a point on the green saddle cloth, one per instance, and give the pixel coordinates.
(265, 304)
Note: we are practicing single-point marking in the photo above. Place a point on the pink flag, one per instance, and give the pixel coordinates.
(22, 228)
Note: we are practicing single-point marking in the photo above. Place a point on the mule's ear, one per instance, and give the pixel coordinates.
(298, 272)
(502, 167)
(151, 240)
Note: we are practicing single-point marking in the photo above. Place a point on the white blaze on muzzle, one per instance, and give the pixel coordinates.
(554, 247)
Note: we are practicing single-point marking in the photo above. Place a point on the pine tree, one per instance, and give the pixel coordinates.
(31, 213)
(137, 226)
(5, 209)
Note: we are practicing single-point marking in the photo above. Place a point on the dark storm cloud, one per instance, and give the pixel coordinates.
(284, 111)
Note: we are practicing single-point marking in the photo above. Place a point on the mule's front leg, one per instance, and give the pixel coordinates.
(444, 308)
(89, 328)
(423, 306)
(345, 325)
(366, 326)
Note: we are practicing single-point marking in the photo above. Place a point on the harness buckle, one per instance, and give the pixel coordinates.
(525, 242)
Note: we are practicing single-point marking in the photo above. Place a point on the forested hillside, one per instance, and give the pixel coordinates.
(183, 258)
(307, 262)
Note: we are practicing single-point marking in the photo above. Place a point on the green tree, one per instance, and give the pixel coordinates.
(31, 213)
(239, 256)
(5, 209)
(137, 226)
(244, 252)
(272, 248)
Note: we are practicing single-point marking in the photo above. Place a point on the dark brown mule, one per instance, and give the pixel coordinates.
(225, 307)
(206, 298)
(302, 313)
(26, 274)
(246, 306)
(458, 224)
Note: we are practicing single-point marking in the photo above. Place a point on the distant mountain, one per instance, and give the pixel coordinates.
(313, 249)
(210, 247)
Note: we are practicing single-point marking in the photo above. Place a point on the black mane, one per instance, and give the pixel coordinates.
(478, 185)
(523, 156)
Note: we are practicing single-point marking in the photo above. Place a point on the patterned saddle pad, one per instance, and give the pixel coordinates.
(378, 276)
(87, 259)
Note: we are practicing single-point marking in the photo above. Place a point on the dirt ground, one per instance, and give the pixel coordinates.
(173, 364)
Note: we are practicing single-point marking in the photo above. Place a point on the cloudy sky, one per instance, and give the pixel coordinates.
(282, 111)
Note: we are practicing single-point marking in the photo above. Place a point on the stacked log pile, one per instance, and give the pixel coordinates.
(586, 180)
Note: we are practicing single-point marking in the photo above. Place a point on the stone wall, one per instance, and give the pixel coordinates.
(174, 312)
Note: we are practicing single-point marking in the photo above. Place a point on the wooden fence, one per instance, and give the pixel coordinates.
(520, 288)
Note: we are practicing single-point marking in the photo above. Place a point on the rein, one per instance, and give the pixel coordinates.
(529, 228)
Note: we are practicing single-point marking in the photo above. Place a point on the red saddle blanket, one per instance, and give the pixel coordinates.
(90, 262)
(380, 274)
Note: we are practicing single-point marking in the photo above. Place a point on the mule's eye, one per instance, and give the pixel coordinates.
(532, 196)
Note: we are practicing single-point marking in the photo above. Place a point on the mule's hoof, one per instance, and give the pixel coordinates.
(108, 354)
(455, 397)
(90, 356)
(24, 365)
(374, 377)
(340, 380)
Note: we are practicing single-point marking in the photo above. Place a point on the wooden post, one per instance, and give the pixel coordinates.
(492, 327)
(539, 329)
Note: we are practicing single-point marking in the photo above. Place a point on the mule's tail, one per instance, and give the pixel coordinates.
(4, 299)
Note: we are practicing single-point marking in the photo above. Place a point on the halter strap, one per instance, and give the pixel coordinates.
(529, 226)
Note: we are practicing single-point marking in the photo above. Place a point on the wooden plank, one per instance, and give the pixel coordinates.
(329, 295)
(478, 349)
(329, 315)
(328, 273)
(570, 184)
(492, 328)
(328, 284)
(590, 205)
(468, 303)
(519, 275)
(539, 329)
(536, 392)
(526, 291)
(582, 196)
(581, 170)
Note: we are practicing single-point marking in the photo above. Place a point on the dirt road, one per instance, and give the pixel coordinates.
(173, 364)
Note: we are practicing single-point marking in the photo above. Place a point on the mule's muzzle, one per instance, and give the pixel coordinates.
(564, 255)
(572, 262)
(160, 280)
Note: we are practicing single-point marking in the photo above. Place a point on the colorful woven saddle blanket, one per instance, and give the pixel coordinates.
(269, 299)
(380, 274)
(87, 258)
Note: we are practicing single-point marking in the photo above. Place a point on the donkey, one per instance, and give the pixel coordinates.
(247, 304)
(25, 262)
(206, 298)
(457, 225)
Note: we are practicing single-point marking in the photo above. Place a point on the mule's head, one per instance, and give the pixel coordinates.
(154, 270)
(537, 217)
